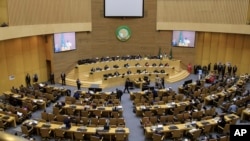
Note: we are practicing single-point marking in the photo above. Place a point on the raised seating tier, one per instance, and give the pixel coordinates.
(169, 69)
(178, 76)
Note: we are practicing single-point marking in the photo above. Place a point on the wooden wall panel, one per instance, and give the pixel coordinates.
(30, 12)
(199, 48)
(238, 48)
(244, 65)
(3, 11)
(206, 48)
(19, 57)
(203, 11)
(229, 47)
(222, 48)
(213, 48)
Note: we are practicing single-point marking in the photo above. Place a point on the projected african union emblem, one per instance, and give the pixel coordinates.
(123, 33)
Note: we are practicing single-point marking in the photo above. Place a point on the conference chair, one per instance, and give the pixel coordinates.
(97, 113)
(158, 137)
(147, 113)
(206, 129)
(96, 138)
(120, 137)
(224, 138)
(26, 131)
(160, 111)
(45, 133)
(31, 106)
(153, 120)
(113, 122)
(79, 136)
(85, 113)
(57, 111)
(145, 122)
(85, 121)
(163, 120)
(93, 122)
(44, 116)
(195, 134)
(70, 111)
(121, 122)
(115, 114)
(59, 134)
(177, 134)
(102, 121)
(51, 117)
(3, 124)
(224, 129)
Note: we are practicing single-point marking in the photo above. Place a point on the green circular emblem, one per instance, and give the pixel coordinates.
(123, 33)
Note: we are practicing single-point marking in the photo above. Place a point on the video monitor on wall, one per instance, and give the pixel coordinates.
(123, 8)
(64, 42)
(183, 38)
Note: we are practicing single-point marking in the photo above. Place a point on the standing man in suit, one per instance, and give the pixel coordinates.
(78, 83)
(119, 94)
(229, 69)
(209, 67)
(27, 80)
(35, 78)
(215, 67)
(234, 69)
(63, 77)
(52, 78)
(127, 82)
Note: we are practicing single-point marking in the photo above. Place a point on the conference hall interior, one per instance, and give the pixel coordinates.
(135, 70)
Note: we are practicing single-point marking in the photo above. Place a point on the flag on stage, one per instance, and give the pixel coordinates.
(170, 53)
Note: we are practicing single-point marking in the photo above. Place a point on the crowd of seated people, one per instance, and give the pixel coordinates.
(103, 59)
(234, 101)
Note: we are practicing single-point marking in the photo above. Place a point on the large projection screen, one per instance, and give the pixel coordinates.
(123, 8)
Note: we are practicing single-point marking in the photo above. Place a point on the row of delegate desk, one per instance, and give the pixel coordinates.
(86, 130)
(186, 126)
(8, 118)
(104, 109)
(171, 105)
(41, 103)
(132, 63)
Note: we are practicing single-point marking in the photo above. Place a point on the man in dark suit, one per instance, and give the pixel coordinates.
(67, 122)
(52, 78)
(223, 70)
(126, 85)
(78, 83)
(209, 67)
(229, 69)
(35, 78)
(119, 94)
(215, 67)
(234, 69)
(27, 80)
(63, 77)
(77, 95)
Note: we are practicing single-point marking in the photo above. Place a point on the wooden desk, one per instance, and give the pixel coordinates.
(188, 125)
(41, 103)
(245, 113)
(89, 130)
(132, 62)
(90, 109)
(8, 118)
(139, 109)
(215, 96)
